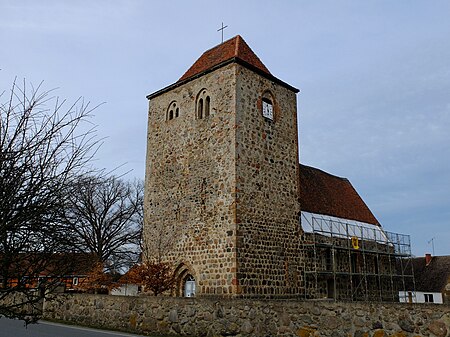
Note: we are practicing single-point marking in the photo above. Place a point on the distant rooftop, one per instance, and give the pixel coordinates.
(432, 277)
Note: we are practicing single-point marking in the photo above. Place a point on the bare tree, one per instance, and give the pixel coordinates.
(153, 272)
(45, 145)
(105, 216)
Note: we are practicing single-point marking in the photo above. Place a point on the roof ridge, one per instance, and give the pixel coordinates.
(318, 169)
(236, 48)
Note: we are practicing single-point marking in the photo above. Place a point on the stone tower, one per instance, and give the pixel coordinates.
(222, 183)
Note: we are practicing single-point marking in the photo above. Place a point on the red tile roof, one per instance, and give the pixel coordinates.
(323, 193)
(235, 47)
(232, 50)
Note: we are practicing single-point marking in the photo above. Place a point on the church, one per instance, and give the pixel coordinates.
(228, 205)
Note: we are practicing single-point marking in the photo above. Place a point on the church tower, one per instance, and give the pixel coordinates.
(222, 183)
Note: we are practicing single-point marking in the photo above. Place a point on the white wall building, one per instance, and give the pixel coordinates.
(432, 281)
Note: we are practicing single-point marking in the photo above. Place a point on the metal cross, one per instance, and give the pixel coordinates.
(221, 29)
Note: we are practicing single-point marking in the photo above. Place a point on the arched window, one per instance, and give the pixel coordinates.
(203, 104)
(200, 108)
(185, 281)
(207, 103)
(173, 111)
(267, 106)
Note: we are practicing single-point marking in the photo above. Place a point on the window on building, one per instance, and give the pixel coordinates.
(200, 108)
(203, 104)
(429, 298)
(207, 102)
(267, 108)
(173, 111)
(75, 281)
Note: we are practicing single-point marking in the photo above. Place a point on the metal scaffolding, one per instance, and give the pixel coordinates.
(350, 261)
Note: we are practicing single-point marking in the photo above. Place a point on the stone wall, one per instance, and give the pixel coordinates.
(267, 182)
(18, 304)
(190, 182)
(221, 192)
(238, 317)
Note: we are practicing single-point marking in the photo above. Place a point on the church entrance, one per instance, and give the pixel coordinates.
(189, 286)
(185, 281)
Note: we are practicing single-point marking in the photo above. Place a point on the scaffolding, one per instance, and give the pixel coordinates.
(351, 261)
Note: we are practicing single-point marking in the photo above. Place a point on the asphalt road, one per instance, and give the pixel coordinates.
(15, 328)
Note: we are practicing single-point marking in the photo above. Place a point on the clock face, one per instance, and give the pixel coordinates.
(267, 110)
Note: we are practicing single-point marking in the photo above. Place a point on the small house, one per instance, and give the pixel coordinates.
(432, 281)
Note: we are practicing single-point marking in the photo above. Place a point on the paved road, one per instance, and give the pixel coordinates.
(15, 328)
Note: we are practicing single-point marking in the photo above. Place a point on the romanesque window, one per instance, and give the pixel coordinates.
(207, 103)
(173, 111)
(267, 106)
(200, 108)
(203, 105)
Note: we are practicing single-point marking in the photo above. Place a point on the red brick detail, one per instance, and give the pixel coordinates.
(323, 193)
(235, 47)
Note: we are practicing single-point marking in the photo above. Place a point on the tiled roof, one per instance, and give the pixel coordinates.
(50, 264)
(431, 278)
(235, 47)
(323, 193)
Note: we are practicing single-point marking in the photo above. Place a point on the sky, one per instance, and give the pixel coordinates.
(374, 80)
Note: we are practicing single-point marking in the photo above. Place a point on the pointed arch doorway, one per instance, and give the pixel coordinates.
(189, 286)
(186, 285)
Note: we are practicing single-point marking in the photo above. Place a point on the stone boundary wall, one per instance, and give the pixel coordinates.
(20, 304)
(239, 317)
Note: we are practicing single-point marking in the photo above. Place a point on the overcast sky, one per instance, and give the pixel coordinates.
(374, 80)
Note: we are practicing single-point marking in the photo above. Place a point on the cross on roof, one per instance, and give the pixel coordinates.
(221, 29)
